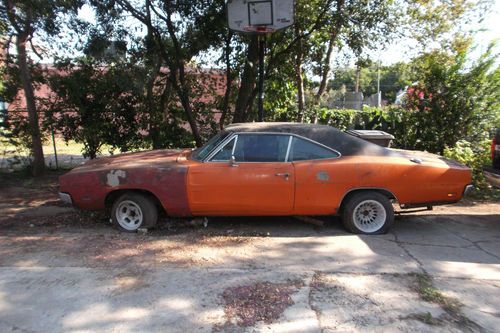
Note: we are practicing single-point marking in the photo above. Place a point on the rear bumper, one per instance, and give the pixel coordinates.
(65, 197)
(467, 190)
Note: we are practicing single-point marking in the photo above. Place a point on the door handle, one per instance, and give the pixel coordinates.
(283, 174)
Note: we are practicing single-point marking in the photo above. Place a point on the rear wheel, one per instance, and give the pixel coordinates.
(132, 211)
(368, 213)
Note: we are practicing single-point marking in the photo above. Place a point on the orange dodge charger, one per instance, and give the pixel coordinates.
(262, 169)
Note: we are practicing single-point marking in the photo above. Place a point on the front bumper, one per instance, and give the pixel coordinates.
(66, 198)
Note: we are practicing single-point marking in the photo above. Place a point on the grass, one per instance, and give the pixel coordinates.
(453, 308)
(426, 317)
(429, 293)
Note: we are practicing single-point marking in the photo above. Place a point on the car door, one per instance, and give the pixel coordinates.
(318, 177)
(257, 182)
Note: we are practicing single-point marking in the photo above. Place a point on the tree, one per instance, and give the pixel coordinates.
(177, 32)
(25, 18)
(96, 106)
(393, 78)
(321, 26)
(453, 99)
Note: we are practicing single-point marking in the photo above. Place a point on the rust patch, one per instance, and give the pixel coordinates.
(323, 176)
(174, 188)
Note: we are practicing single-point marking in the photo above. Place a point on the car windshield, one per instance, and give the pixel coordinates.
(202, 152)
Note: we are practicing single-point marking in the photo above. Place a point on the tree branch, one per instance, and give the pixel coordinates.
(306, 34)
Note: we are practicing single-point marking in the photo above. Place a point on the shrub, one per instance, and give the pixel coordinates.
(475, 156)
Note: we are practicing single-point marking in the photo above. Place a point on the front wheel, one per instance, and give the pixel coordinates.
(369, 213)
(132, 211)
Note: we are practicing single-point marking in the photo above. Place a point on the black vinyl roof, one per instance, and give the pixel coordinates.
(332, 137)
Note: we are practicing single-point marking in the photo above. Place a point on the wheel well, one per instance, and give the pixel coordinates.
(112, 196)
(352, 193)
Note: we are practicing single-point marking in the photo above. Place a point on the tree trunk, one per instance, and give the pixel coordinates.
(325, 72)
(358, 70)
(326, 67)
(229, 81)
(248, 80)
(155, 112)
(326, 63)
(34, 126)
(299, 78)
(181, 85)
(183, 93)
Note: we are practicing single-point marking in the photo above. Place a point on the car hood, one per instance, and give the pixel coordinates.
(141, 159)
(429, 158)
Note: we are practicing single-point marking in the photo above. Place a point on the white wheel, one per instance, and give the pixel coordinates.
(129, 215)
(368, 212)
(369, 216)
(132, 211)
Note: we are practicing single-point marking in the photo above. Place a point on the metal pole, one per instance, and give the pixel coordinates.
(262, 47)
(379, 95)
(55, 150)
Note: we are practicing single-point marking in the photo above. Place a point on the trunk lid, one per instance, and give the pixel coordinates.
(422, 157)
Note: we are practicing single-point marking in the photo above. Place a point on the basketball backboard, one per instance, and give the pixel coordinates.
(260, 16)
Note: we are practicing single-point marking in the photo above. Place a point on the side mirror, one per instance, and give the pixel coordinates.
(232, 161)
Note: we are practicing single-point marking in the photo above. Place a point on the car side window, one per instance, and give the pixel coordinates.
(306, 150)
(225, 153)
(261, 148)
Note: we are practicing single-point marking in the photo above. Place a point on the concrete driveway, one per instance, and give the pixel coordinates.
(65, 271)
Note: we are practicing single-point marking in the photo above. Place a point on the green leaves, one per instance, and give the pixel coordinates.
(96, 106)
(475, 155)
(454, 99)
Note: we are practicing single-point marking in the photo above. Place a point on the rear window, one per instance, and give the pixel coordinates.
(261, 148)
(303, 150)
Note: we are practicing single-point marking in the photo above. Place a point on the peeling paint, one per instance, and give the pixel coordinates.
(323, 176)
(113, 177)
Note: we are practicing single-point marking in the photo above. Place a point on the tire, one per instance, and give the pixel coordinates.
(132, 211)
(369, 213)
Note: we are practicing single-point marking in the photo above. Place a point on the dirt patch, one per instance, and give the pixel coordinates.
(90, 248)
(33, 223)
(130, 280)
(198, 247)
(246, 305)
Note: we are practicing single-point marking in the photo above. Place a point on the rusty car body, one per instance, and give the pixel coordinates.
(263, 169)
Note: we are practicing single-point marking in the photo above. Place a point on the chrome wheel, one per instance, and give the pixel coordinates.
(129, 215)
(369, 216)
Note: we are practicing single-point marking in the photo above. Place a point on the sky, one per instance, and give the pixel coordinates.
(403, 50)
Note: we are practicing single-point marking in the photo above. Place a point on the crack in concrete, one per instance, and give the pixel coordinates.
(474, 243)
(408, 253)
(425, 244)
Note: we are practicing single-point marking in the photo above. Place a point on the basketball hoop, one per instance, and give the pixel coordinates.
(259, 29)
(260, 16)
